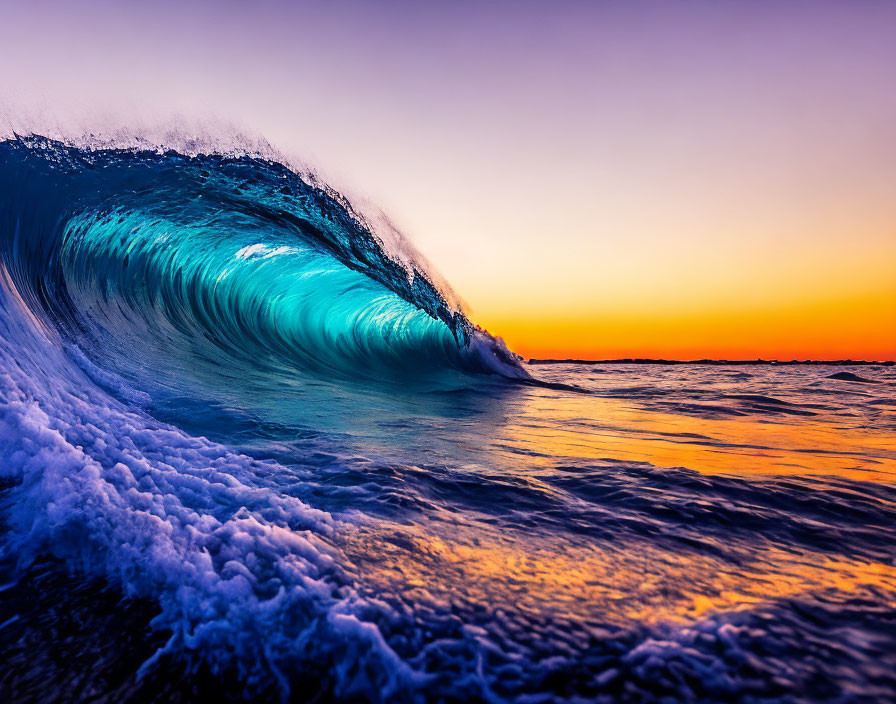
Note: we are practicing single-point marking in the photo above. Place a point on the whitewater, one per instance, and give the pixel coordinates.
(249, 449)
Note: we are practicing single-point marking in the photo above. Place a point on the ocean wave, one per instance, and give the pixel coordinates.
(117, 244)
(113, 259)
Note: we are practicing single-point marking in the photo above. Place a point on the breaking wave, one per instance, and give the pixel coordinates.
(248, 450)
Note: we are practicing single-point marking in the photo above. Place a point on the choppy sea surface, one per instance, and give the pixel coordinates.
(247, 453)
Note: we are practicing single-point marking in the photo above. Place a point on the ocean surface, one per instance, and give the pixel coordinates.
(250, 448)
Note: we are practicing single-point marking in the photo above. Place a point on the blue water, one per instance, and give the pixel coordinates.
(247, 452)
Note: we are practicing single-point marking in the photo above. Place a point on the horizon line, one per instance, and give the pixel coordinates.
(719, 362)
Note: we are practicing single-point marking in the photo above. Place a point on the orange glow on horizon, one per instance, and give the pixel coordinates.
(860, 328)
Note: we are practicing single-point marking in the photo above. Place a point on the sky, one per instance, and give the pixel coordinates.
(595, 180)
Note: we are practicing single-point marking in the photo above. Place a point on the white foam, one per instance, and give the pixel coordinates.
(263, 251)
(245, 575)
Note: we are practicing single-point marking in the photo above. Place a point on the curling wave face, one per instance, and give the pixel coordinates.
(233, 425)
(236, 251)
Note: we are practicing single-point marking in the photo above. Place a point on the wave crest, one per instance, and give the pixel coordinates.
(234, 250)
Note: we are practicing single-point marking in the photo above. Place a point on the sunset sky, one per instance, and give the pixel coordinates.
(675, 179)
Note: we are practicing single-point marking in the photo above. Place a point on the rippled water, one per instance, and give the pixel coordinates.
(724, 533)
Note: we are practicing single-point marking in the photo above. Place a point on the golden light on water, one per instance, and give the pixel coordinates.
(631, 565)
(619, 582)
(585, 427)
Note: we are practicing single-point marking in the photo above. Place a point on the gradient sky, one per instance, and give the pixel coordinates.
(675, 179)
